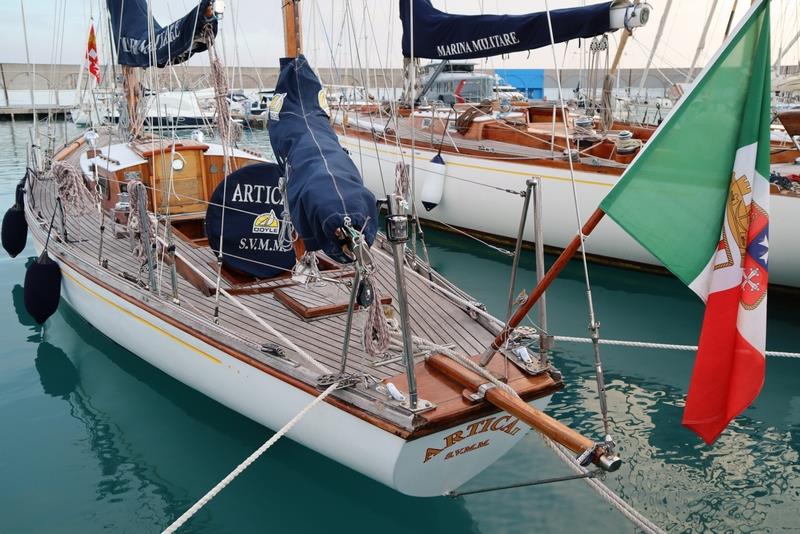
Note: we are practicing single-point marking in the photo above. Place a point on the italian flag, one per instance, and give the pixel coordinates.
(697, 197)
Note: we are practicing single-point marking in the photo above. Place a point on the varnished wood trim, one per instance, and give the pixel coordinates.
(313, 312)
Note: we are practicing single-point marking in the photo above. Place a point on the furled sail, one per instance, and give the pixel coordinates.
(324, 188)
(174, 43)
(440, 35)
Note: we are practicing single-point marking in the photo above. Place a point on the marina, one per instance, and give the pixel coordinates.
(227, 306)
(95, 457)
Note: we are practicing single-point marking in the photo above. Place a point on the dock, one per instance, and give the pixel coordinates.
(27, 112)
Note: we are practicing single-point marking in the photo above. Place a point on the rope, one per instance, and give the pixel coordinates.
(633, 515)
(402, 185)
(229, 131)
(75, 196)
(606, 110)
(627, 146)
(666, 346)
(178, 523)
(138, 246)
(376, 331)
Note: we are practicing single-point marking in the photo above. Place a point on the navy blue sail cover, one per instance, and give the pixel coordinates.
(251, 229)
(440, 35)
(324, 187)
(174, 43)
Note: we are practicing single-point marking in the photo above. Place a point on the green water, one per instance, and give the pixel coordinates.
(93, 439)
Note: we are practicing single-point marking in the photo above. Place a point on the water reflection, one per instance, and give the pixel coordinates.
(163, 445)
(18, 299)
(56, 372)
(743, 482)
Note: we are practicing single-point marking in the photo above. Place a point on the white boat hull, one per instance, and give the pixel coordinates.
(411, 467)
(474, 199)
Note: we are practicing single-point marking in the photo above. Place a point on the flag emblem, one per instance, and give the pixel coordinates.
(754, 283)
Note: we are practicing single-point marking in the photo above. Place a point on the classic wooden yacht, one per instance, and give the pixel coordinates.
(472, 161)
(240, 278)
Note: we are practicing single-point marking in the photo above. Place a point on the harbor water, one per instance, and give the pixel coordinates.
(94, 439)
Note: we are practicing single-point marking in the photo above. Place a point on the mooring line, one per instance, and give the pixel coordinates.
(178, 523)
(667, 346)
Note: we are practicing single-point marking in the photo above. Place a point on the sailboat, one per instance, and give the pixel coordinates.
(475, 159)
(265, 285)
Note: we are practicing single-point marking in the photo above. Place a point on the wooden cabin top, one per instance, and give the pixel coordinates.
(150, 147)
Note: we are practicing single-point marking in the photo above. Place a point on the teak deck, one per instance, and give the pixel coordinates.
(311, 317)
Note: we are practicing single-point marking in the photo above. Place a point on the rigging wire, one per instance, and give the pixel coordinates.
(593, 324)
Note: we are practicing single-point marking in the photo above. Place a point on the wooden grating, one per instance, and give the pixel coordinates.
(309, 303)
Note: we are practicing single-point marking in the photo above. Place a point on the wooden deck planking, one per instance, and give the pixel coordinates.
(433, 316)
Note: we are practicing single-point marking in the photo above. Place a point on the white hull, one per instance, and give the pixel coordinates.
(468, 203)
(343, 437)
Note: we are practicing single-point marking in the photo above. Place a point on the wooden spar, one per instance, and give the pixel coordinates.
(292, 28)
(553, 429)
(130, 84)
(621, 48)
(542, 286)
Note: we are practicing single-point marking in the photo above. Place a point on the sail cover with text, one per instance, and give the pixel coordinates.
(324, 187)
(439, 35)
(174, 43)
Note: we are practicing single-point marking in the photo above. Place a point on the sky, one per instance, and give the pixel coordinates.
(252, 31)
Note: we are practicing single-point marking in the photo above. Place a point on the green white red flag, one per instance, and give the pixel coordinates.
(697, 197)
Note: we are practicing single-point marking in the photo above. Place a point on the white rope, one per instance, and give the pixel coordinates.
(178, 523)
(666, 346)
(633, 515)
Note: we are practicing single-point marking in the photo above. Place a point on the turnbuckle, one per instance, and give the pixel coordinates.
(604, 452)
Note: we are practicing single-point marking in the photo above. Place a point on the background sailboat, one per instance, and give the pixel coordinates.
(489, 153)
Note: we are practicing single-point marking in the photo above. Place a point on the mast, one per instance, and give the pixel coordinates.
(702, 44)
(292, 29)
(130, 85)
(655, 45)
(784, 49)
(730, 18)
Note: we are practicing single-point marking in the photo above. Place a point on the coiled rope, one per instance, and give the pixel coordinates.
(74, 195)
(376, 330)
(135, 225)
(178, 523)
